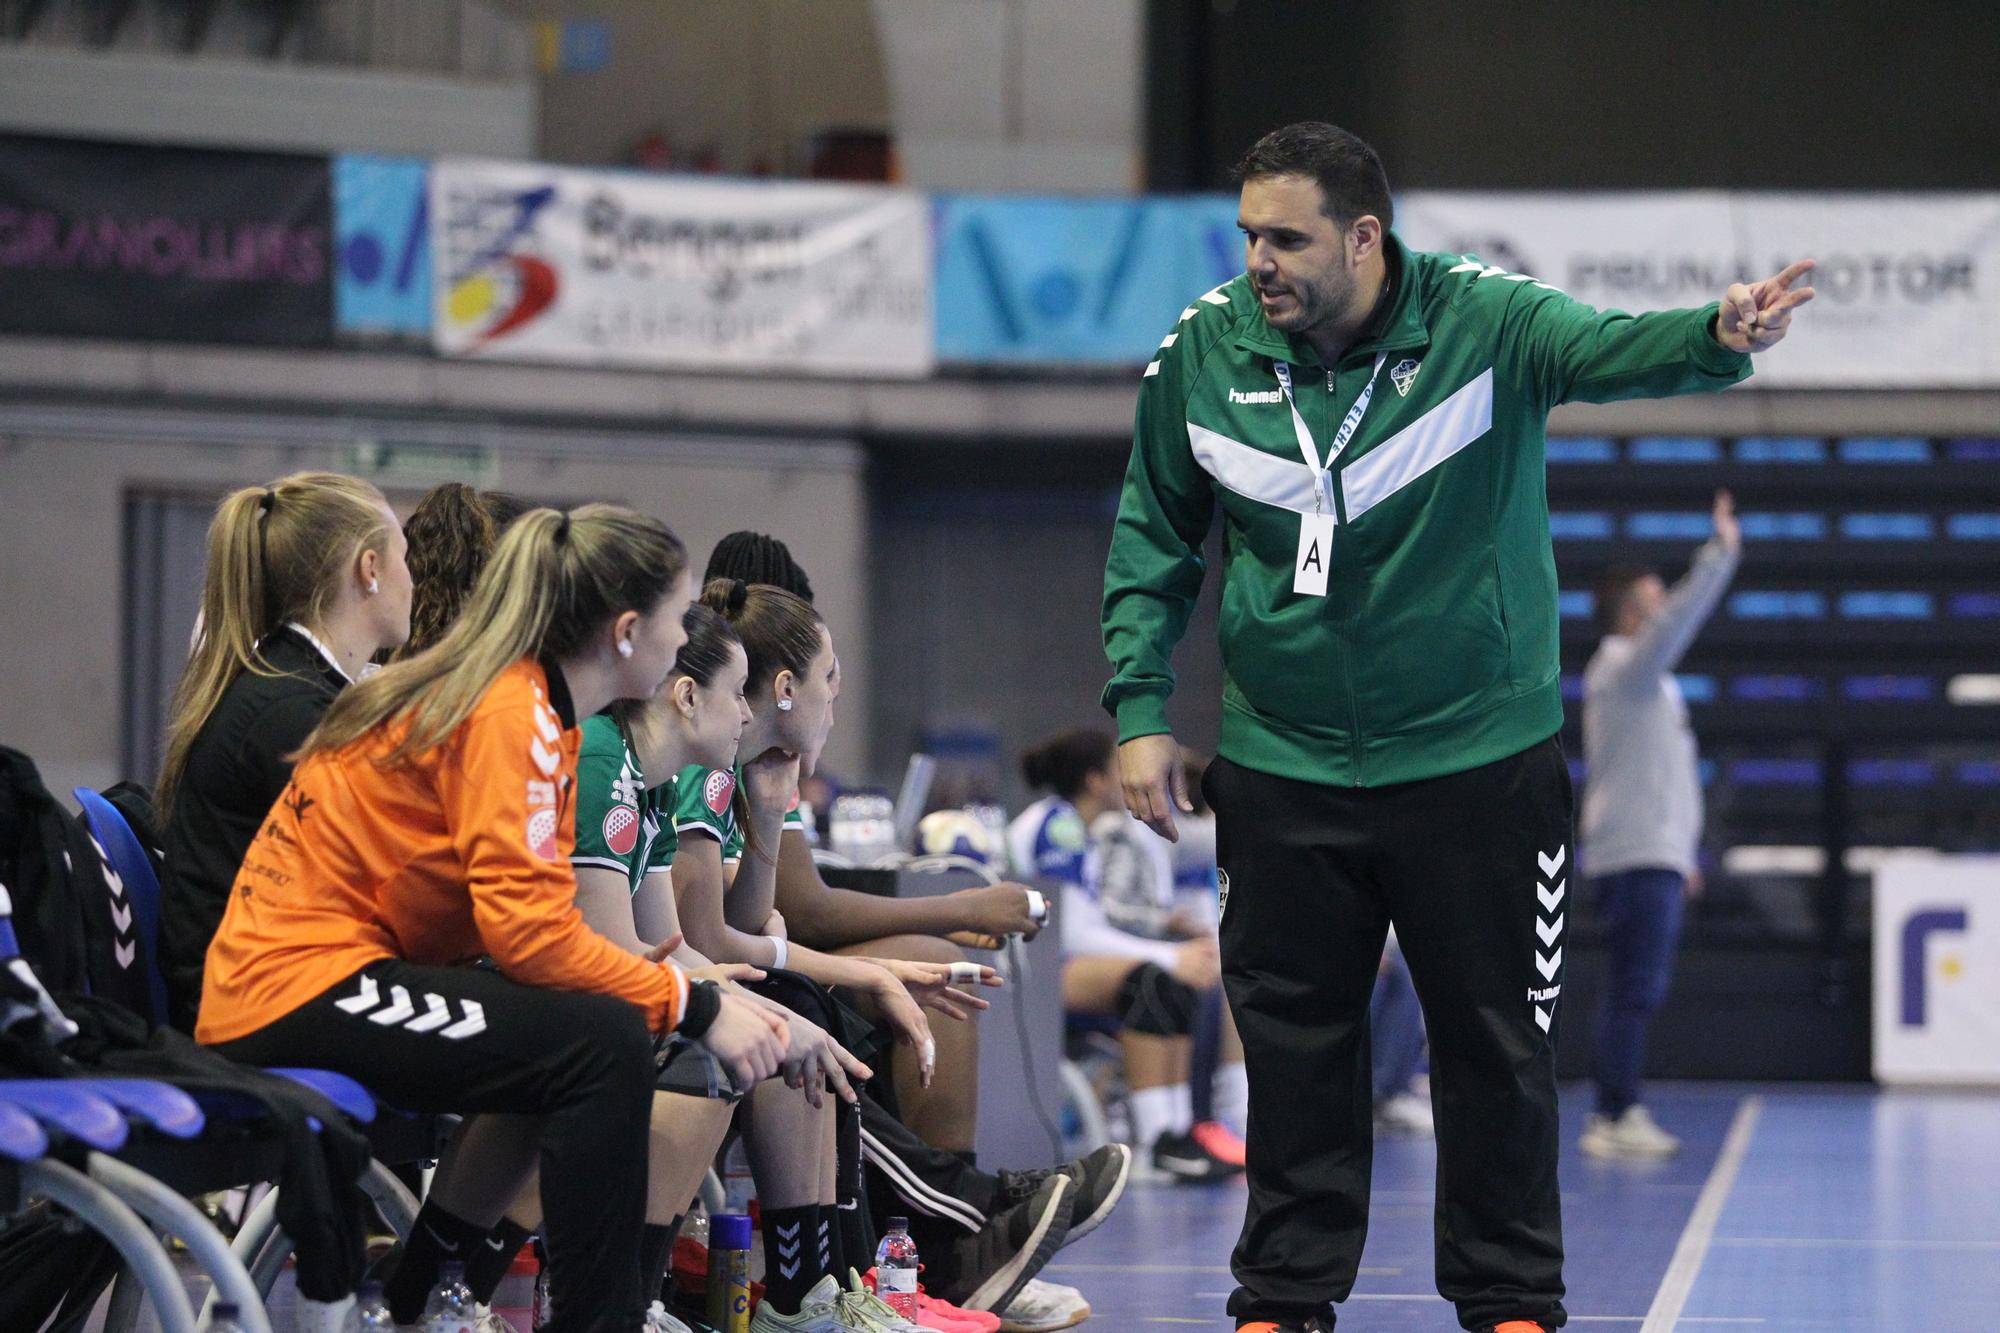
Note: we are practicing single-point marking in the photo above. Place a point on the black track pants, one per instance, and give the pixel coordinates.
(1472, 869)
(489, 1044)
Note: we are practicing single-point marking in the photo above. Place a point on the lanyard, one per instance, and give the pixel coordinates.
(1323, 473)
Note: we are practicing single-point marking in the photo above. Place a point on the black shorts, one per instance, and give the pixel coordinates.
(687, 1068)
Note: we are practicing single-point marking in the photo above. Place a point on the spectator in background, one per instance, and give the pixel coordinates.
(1117, 961)
(1642, 811)
(1396, 1050)
(303, 583)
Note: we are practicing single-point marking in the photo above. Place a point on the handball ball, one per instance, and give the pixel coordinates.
(956, 833)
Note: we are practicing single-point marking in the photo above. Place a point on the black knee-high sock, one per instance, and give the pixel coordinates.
(438, 1236)
(656, 1243)
(791, 1256)
(827, 1227)
(493, 1256)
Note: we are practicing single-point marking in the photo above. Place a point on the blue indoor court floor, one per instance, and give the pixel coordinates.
(1789, 1207)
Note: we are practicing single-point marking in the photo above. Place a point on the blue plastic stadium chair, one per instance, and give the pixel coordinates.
(70, 1107)
(142, 892)
(22, 1138)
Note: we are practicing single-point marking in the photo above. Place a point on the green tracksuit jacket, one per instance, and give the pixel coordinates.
(1435, 648)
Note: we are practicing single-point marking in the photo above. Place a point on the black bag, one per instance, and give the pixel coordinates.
(63, 890)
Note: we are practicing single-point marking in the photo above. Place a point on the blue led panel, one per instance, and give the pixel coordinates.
(1887, 527)
(1892, 772)
(1572, 686)
(1897, 449)
(1676, 449)
(1889, 689)
(1687, 526)
(1778, 606)
(1973, 527)
(1980, 772)
(1780, 449)
(1775, 689)
(1975, 451)
(1976, 605)
(1581, 449)
(1697, 689)
(1887, 606)
(1784, 527)
(1573, 525)
(1576, 605)
(1774, 772)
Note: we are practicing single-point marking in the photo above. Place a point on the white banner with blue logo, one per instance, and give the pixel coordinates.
(382, 244)
(1907, 290)
(618, 268)
(1075, 281)
(1937, 969)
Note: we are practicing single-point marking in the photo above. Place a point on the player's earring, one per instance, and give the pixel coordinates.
(624, 647)
(784, 705)
(374, 586)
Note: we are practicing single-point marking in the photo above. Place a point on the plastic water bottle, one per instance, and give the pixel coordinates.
(450, 1308)
(373, 1311)
(896, 1269)
(544, 1312)
(228, 1318)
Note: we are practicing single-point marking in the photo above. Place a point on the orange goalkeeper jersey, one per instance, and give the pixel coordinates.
(460, 851)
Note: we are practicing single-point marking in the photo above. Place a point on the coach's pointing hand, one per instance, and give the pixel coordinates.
(1755, 316)
(1155, 784)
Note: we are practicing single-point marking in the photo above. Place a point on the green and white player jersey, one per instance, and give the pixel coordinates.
(620, 825)
(703, 802)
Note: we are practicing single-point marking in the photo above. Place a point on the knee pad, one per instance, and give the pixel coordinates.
(1153, 1001)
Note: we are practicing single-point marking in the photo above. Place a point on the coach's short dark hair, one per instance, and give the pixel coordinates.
(1349, 173)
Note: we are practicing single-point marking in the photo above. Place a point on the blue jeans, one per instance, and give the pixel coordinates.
(1395, 1029)
(1641, 912)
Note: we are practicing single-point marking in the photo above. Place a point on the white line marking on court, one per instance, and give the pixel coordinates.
(1685, 1267)
(1851, 1243)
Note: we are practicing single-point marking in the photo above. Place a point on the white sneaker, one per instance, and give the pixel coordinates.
(1042, 1307)
(1631, 1137)
(657, 1321)
(864, 1309)
(819, 1312)
(1406, 1113)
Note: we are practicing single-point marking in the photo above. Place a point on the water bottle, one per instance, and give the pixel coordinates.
(896, 1269)
(450, 1308)
(374, 1310)
(228, 1318)
(544, 1312)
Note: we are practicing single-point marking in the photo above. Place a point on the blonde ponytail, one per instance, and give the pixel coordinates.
(276, 553)
(553, 581)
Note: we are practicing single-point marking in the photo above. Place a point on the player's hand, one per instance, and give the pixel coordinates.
(664, 950)
(1198, 963)
(749, 1041)
(771, 780)
(813, 1060)
(1754, 316)
(725, 973)
(1149, 768)
(1728, 533)
(930, 985)
(996, 911)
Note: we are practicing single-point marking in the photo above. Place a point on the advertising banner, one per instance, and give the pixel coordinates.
(1082, 282)
(621, 269)
(131, 241)
(382, 244)
(1937, 969)
(1907, 289)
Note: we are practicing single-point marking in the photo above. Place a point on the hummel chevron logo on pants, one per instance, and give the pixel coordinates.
(402, 1012)
(1549, 927)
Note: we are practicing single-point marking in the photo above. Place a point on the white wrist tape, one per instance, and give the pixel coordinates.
(779, 951)
(1038, 906)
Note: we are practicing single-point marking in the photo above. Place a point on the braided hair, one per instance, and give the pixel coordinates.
(752, 557)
